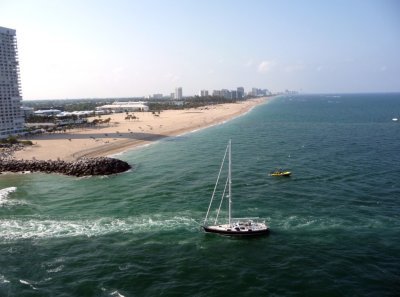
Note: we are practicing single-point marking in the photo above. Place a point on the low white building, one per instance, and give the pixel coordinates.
(47, 112)
(125, 106)
(82, 113)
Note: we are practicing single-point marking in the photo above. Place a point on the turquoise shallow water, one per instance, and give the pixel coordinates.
(335, 223)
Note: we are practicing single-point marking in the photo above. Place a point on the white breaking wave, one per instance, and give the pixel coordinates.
(56, 269)
(112, 292)
(13, 229)
(4, 194)
(116, 293)
(3, 280)
(27, 283)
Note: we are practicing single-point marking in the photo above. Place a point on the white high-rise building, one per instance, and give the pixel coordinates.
(11, 115)
(178, 93)
(240, 92)
(203, 93)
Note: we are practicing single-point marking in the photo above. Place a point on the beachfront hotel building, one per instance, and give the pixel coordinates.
(11, 115)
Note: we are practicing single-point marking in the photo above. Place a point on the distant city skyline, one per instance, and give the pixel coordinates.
(238, 93)
(97, 49)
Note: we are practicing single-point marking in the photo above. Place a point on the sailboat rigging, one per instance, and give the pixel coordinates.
(234, 226)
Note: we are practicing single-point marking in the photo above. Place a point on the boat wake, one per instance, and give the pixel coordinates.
(15, 229)
(318, 224)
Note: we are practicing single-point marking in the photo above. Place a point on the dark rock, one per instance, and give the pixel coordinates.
(82, 167)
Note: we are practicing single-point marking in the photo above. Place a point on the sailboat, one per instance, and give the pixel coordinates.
(241, 227)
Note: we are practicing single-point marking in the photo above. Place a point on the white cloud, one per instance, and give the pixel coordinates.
(266, 66)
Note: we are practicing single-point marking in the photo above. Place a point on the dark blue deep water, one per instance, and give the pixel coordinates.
(335, 222)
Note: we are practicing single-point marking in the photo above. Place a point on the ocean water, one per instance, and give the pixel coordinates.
(335, 223)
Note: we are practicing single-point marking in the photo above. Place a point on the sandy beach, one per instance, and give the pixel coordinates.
(121, 134)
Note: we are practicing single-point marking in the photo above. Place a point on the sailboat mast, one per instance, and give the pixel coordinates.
(230, 182)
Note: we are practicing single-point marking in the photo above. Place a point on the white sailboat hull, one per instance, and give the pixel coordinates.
(239, 229)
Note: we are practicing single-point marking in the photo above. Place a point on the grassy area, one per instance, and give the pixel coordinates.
(14, 140)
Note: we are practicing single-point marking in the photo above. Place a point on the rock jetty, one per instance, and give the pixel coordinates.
(82, 167)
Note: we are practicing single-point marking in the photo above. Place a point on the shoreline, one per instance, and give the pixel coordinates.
(122, 135)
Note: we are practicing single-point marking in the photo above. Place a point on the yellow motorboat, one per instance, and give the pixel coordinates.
(280, 173)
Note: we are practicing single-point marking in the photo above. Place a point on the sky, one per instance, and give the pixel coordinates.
(128, 48)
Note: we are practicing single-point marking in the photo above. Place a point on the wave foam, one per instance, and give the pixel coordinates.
(116, 293)
(295, 222)
(27, 283)
(4, 194)
(14, 229)
(3, 280)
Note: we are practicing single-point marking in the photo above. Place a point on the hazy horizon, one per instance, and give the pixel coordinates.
(143, 97)
(98, 49)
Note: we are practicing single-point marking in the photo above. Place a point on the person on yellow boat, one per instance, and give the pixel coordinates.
(280, 172)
